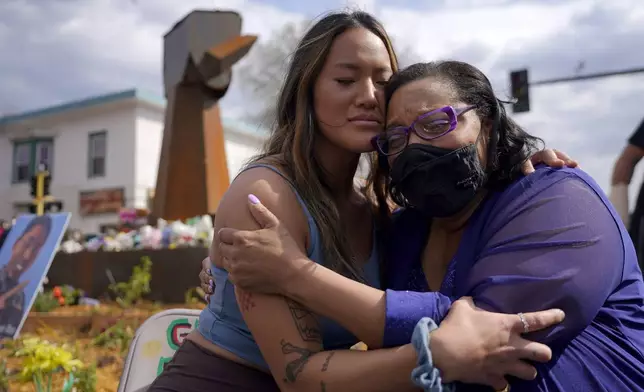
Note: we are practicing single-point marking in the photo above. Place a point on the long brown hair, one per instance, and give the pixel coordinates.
(292, 139)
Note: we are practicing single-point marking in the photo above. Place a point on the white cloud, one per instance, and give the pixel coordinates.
(363, 5)
(69, 49)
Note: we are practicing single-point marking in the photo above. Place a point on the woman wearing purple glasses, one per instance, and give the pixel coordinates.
(473, 226)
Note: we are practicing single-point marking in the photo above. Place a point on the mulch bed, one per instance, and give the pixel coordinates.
(76, 326)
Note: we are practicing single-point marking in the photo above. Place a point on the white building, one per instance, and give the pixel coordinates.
(103, 153)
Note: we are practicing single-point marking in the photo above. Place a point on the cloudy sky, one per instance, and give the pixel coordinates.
(52, 51)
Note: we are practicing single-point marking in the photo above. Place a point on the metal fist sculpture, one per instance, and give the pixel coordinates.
(199, 52)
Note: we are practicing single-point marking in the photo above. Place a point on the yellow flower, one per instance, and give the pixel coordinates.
(42, 357)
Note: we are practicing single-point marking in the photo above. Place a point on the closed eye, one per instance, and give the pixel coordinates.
(345, 82)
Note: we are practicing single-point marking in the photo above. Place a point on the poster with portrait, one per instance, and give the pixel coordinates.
(25, 258)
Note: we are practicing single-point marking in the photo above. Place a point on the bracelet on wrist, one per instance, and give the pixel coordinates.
(425, 375)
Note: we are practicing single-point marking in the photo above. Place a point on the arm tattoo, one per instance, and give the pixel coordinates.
(325, 366)
(295, 367)
(305, 322)
(246, 300)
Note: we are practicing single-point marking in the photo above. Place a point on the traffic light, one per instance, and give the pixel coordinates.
(520, 87)
(49, 207)
(54, 206)
(46, 185)
(34, 186)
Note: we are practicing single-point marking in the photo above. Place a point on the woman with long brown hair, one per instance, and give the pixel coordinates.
(329, 109)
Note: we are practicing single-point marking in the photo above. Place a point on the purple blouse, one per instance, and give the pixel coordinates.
(550, 240)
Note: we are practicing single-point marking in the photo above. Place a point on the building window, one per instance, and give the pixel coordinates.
(28, 154)
(44, 152)
(21, 162)
(97, 154)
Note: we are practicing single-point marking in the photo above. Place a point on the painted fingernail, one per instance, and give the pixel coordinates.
(208, 271)
(211, 283)
(206, 298)
(253, 199)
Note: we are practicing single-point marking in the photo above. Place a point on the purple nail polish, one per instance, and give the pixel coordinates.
(253, 199)
(208, 271)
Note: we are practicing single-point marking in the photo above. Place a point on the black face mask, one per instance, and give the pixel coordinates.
(437, 181)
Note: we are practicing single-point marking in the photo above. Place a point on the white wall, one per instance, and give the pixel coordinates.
(72, 155)
(148, 140)
(70, 160)
(6, 166)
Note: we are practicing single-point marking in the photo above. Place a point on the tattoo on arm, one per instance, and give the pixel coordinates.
(301, 358)
(246, 301)
(305, 321)
(325, 366)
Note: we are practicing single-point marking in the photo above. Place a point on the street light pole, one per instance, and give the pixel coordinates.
(598, 75)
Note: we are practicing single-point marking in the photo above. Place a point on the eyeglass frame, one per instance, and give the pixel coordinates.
(449, 110)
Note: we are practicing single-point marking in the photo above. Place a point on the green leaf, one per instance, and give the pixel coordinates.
(69, 383)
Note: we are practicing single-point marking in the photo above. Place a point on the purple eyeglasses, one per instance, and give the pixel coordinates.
(428, 126)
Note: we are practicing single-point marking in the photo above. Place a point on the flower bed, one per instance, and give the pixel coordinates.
(108, 360)
(69, 338)
(98, 335)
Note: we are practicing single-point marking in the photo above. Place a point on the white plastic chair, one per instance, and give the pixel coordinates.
(153, 345)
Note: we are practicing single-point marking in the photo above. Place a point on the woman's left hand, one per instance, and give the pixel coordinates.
(550, 157)
(263, 260)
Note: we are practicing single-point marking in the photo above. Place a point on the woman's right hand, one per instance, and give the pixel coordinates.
(262, 261)
(205, 278)
(479, 347)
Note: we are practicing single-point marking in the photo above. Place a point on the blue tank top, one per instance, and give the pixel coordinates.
(222, 323)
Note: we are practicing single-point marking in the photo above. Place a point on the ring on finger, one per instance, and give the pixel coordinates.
(526, 326)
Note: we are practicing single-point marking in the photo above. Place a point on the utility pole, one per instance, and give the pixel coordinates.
(520, 84)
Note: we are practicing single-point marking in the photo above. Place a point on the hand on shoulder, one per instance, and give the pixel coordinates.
(275, 193)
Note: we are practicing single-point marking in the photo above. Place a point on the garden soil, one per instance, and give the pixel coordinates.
(109, 360)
